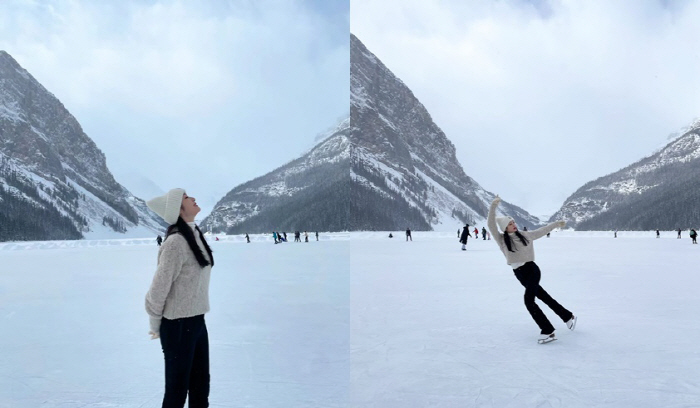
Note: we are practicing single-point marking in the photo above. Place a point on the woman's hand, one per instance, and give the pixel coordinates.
(496, 200)
(155, 327)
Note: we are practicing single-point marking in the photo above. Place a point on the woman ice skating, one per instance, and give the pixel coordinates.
(518, 248)
(179, 298)
(694, 236)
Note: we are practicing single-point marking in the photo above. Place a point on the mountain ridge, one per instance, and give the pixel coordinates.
(50, 168)
(655, 192)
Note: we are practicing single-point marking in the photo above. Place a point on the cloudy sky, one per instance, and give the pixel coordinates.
(202, 95)
(540, 97)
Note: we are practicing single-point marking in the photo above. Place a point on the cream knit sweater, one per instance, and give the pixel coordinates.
(180, 286)
(522, 252)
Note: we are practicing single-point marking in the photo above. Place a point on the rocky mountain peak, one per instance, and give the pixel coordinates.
(50, 164)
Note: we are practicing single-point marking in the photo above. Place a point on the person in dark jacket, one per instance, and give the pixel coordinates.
(159, 240)
(483, 232)
(408, 234)
(464, 237)
(694, 236)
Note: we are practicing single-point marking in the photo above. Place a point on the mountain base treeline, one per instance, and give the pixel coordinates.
(672, 204)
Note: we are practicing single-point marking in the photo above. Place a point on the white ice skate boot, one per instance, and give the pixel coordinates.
(571, 324)
(546, 338)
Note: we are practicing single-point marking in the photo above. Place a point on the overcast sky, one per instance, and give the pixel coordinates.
(203, 95)
(540, 97)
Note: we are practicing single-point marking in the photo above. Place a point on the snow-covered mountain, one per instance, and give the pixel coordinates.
(404, 168)
(307, 194)
(661, 191)
(386, 167)
(54, 181)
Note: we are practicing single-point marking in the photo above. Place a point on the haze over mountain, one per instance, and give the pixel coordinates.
(310, 193)
(54, 181)
(386, 167)
(405, 171)
(661, 191)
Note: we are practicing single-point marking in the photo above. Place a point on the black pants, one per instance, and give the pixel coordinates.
(185, 345)
(529, 275)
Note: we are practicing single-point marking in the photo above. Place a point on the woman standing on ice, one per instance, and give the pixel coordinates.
(179, 298)
(520, 256)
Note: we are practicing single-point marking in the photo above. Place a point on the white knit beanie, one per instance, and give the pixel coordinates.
(503, 222)
(168, 205)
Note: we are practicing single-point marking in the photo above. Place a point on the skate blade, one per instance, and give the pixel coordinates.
(573, 326)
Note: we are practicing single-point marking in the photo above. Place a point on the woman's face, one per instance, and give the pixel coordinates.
(511, 227)
(189, 208)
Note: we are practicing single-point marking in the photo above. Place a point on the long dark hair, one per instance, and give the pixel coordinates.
(511, 245)
(181, 227)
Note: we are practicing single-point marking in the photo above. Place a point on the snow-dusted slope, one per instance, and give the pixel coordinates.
(386, 167)
(54, 181)
(405, 171)
(659, 191)
(307, 194)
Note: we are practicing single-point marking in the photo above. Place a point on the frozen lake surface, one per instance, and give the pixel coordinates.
(361, 320)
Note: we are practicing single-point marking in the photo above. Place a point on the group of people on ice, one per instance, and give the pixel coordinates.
(297, 236)
(693, 234)
(466, 234)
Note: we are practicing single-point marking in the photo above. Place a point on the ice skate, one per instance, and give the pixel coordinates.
(571, 324)
(546, 338)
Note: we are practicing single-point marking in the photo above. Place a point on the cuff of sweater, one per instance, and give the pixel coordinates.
(155, 324)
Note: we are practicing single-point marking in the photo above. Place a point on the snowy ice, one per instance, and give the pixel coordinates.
(361, 320)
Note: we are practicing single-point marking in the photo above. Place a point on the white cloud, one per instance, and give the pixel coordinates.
(204, 95)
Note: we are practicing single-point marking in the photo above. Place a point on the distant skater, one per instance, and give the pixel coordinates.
(483, 233)
(476, 233)
(694, 236)
(306, 236)
(465, 235)
(247, 238)
(658, 234)
(519, 251)
(408, 234)
(457, 232)
(615, 233)
(316, 235)
(159, 240)
(679, 233)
